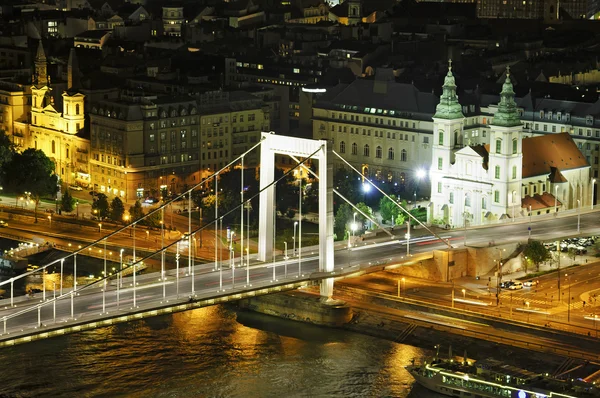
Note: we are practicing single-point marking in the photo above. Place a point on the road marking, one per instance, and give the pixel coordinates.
(457, 319)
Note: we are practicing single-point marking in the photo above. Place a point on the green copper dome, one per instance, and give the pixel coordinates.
(507, 114)
(449, 108)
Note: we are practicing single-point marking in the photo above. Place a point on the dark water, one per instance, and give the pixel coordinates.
(210, 352)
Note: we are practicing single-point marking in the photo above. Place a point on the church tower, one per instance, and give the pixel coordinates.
(354, 12)
(41, 66)
(73, 101)
(40, 86)
(505, 168)
(448, 123)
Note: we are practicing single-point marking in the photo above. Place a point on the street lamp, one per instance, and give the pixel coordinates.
(592, 195)
(294, 238)
(530, 214)
(464, 292)
(578, 215)
(99, 227)
(420, 174)
(50, 221)
(77, 208)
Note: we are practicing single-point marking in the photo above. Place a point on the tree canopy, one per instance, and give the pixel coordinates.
(117, 209)
(67, 203)
(31, 171)
(101, 206)
(536, 253)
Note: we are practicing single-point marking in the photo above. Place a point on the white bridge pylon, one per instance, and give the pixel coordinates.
(298, 147)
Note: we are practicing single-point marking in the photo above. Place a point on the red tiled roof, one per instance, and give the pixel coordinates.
(552, 150)
(538, 202)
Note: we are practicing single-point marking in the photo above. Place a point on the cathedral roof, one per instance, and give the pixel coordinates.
(542, 153)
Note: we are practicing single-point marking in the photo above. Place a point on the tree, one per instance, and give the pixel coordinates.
(360, 219)
(343, 217)
(31, 171)
(117, 209)
(572, 253)
(101, 206)
(67, 202)
(136, 212)
(536, 253)
(7, 150)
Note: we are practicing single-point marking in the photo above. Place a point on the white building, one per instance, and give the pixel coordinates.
(506, 178)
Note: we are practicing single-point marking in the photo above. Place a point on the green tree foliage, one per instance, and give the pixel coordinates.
(536, 253)
(286, 191)
(136, 211)
(362, 220)
(7, 150)
(67, 202)
(343, 218)
(349, 185)
(153, 220)
(117, 209)
(31, 171)
(101, 206)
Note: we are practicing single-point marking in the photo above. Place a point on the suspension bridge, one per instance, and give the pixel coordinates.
(181, 284)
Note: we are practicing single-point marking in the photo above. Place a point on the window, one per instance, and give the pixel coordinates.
(441, 138)
(451, 198)
(514, 172)
(439, 187)
(366, 150)
(342, 147)
(497, 196)
(53, 147)
(354, 148)
(77, 109)
(440, 163)
(403, 155)
(151, 137)
(391, 154)
(484, 203)
(378, 152)
(467, 200)
(498, 146)
(514, 149)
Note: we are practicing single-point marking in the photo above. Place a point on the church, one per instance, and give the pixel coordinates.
(57, 120)
(509, 176)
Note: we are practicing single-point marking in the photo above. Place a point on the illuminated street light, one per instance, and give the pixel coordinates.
(464, 292)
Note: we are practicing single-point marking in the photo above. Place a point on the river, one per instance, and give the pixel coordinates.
(210, 352)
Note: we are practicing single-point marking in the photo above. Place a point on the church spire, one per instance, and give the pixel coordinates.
(73, 78)
(41, 67)
(507, 114)
(449, 108)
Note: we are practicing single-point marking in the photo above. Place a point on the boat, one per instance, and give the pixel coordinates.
(490, 378)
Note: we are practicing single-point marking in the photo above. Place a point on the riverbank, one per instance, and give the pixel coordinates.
(538, 350)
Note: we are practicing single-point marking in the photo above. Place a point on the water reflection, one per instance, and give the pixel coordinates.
(208, 352)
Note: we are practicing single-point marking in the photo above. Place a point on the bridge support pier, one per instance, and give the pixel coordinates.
(321, 151)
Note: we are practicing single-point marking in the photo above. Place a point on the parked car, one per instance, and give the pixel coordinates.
(506, 284)
(515, 286)
(528, 283)
(3, 224)
(75, 188)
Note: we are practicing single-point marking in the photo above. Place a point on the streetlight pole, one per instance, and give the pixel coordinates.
(294, 238)
(592, 195)
(407, 238)
(555, 199)
(530, 214)
(578, 215)
(569, 308)
(465, 222)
